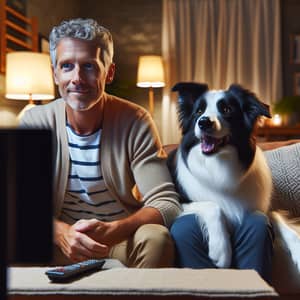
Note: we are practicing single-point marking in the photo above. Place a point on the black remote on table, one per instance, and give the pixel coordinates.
(65, 273)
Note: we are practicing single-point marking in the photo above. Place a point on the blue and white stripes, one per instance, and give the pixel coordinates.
(87, 196)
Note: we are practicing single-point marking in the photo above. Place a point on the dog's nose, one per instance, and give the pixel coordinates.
(205, 123)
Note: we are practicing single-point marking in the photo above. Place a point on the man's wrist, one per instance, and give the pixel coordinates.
(126, 227)
(59, 229)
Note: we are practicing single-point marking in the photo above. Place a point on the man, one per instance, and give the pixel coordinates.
(113, 194)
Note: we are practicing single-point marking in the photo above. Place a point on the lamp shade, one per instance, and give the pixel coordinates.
(150, 71)
(29, 76)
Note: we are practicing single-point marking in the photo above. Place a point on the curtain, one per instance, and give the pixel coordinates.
(220, 42)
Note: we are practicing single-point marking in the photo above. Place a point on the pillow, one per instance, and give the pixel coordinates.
(284, 163)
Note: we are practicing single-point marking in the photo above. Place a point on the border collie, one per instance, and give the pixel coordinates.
(218, 169)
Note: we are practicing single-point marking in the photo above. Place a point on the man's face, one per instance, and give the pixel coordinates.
(80, 74)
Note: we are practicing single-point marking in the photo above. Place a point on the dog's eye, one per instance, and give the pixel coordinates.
(200, 108)
(225, 109)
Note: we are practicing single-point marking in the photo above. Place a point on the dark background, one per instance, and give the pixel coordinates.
(136, 26)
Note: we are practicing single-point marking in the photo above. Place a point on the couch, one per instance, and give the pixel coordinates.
(284, 161)
(171, 283)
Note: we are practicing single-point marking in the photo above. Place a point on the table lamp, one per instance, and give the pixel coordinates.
(28, 77)
(150, 75)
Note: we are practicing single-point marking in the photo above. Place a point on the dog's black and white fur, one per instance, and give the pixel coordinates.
(218, 169)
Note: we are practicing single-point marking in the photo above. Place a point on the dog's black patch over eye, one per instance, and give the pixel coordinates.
(224, 108)
(200, 108)
(200, 111)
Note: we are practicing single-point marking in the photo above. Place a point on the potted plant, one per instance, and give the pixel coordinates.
(289, 108)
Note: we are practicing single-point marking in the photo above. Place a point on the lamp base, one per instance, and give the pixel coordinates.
(151, 100)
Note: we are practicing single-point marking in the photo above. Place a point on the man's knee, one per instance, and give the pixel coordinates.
(153, 247)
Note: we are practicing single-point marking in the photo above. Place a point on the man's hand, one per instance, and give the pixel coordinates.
(76, 245)
(111, 233)
(93, 238)
(102, 232)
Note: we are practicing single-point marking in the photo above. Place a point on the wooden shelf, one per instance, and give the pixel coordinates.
(17, 32)
(278, 132)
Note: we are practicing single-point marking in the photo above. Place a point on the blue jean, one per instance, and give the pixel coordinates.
(251, 242)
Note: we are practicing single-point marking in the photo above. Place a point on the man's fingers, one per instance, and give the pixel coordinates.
(93, 246)
(81, 247)
(86, 225)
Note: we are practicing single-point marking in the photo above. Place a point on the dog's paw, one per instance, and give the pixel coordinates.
(220, 251)
(288, 237)
(294, 248)
(214, 227)
(295, 252)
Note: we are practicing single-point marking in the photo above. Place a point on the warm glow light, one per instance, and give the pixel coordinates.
(277, 120)
(150, 71)
(150, 75)
(8, 119)
(29, 76)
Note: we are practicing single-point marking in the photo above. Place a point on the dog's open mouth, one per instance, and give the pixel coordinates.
(210, 144)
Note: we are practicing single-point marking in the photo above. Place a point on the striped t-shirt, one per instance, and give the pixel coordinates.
(87, 196)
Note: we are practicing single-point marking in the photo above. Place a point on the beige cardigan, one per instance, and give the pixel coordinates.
(132, 157)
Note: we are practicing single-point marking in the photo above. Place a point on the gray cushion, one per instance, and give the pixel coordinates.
(159, 282)
(284, 163)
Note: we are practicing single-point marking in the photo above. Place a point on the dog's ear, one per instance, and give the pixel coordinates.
(188, 92)
(250, 104)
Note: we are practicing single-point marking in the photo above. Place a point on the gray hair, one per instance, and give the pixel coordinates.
(85, 29)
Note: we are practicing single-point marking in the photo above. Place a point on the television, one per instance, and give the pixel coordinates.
(26, 193)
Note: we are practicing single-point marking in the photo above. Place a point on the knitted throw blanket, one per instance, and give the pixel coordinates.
(284, 163)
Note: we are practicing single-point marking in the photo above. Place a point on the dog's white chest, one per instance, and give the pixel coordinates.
(220, 172)
(222, 180)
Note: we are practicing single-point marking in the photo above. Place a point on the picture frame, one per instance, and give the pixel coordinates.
(297, 84)
(295, 48)
(43, 44)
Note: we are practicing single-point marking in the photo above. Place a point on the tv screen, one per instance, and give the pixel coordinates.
(26, 195)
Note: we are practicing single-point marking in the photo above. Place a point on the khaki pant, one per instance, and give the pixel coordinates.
(151, 246)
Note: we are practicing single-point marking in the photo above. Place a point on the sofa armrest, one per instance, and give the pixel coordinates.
(263, 145)
(276, 144)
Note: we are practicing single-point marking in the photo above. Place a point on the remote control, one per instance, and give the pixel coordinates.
(68, 272)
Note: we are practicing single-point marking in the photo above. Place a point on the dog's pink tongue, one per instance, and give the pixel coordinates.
(208, 144)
